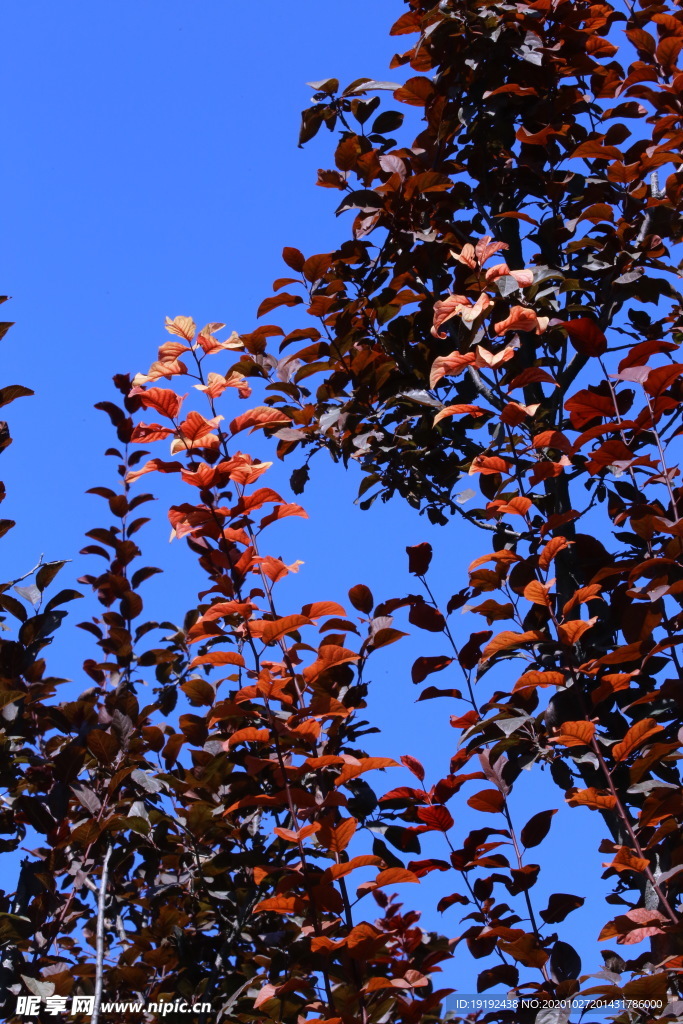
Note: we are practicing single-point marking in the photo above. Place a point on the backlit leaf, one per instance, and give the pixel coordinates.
(635, 737)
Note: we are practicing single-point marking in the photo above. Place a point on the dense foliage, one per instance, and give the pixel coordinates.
(505, 317)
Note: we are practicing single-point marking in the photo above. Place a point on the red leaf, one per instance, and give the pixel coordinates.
(609, 453)
(594, 150)
(586, 405)
(423, 667)
(532, 375)
(419, 557)
(416, 92)
(585, 336)
(284, 299)
(559, 905)
(438, 818)
(426, 617)
(639, 354)
(662, 377)
(536, 828)
(470, 653)
(448, 901)
(414, 766)
(489, 800)
(361, 598)
(293, 258)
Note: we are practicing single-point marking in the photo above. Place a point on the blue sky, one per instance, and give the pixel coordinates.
(151, 169)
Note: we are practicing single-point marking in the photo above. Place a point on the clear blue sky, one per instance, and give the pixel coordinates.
(150, 169)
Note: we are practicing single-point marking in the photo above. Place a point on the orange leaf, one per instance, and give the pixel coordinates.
(154, 465)
(365, 764)
(522, 319)
(275, 569)
(526, 950)
(635, 737)
(518, 506)
(195, 426)
(248, 735)
(259, 416)
(218, 657)
(182, 326)
(320, 608)
(322, 942)
(337, 839)
(575, 734)
(534, 678)
(626, 860)
(395, 876)
(294, 837)
(489, 464)
(416, 91)
(242, 469)
(513, 414)
(362, 861)
(270, 630)
(281, 512)
(329, 655)
(537, 593)
(220, 610)
(164, 401)
(379, 983)
(146, 433)
(550, 551)
(449, 365)
(532, 375)
(281, 905)
(572, 631)
(596, 799)
(458, 410)
(509, 639)
(594, 150)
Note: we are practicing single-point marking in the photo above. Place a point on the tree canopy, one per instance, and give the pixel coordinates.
(496, 343)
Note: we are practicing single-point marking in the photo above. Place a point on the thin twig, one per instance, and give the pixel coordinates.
(99, 939)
